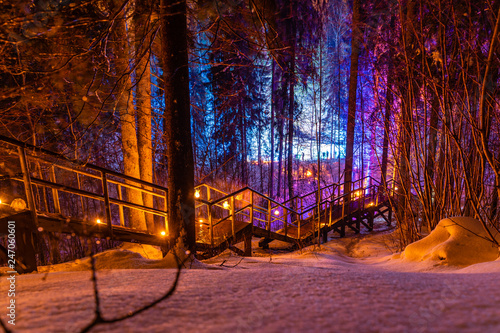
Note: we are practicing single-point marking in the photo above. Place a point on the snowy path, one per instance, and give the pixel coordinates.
(309, 292)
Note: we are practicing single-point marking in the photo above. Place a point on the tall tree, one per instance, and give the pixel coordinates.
(127, 111)
(177, 124)
(291, 92)
(143, 36)
(353, 86)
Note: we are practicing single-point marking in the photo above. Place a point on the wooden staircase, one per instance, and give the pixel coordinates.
(76, 199)
(232, 218)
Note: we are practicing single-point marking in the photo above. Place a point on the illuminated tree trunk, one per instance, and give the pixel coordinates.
(291, 99)
(143, 100)
(126, 108)
(273, 103)
(387, 119)
(280, 145)
(177, 124)
(353, 84)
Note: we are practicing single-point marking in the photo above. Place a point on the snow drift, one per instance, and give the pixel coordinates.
(456, 241)
(127, 256)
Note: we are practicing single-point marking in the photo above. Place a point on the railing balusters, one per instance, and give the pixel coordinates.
(210, 222)
(232, 210)
(106, 202)
(251, 207)
(165, 209)
(285, 211)
(55, 193)
(120, 196)
(270, 216)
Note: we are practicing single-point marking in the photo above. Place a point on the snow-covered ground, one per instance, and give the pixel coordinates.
(350, 285)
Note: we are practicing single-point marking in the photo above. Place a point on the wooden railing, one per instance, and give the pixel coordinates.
(93, 194)
(243, 206)
(251, 207)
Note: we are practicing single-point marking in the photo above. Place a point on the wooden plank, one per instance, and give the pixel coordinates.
(248, 243)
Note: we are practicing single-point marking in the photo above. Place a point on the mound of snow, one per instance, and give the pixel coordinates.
(456, 241)
(127, 256)
(147, 251)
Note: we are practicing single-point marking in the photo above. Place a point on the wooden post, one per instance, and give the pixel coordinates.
(330, 217)
(55, 193)
(210, 222)
(25, 244)
(106, 202)
(370, 217)
(232, 210)
(248, 243)
(285, 217)
(165, 205)
(251, 208)
(120, 196)
(270, 216)
(389, 216)
(84, 212)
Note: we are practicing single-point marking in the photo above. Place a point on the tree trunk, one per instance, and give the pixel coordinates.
(128, 130)
(387, 120)
(143, 100)
(280, 146)
(353, 84)
(273, 102)
(177, 125)
(291, 99)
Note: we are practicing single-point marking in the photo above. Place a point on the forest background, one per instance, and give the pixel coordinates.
(284, 96)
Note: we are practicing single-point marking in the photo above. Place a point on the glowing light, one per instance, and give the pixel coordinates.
(225, 205)
(0, 201)
(308, 173)
(201, 220)
(239, 197)
(396, 188)
(371, 204)
(98, 221)
(196, 194)
(276, 212)
(163, 233)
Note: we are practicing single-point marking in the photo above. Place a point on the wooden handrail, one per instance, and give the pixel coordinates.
(94, 167)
